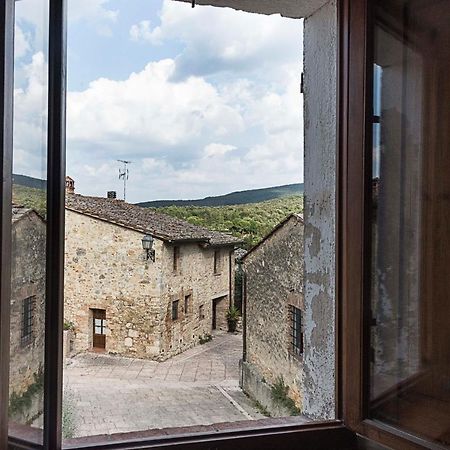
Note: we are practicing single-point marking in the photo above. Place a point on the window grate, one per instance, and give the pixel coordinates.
(296, 333)
(27, 320)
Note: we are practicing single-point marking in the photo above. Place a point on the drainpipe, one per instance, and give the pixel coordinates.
(244, 315)
(231, 278)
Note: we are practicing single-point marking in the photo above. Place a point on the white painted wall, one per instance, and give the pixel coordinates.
(320, 87)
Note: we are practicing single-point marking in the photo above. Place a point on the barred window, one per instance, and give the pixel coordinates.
(296, 344)
(27, 320)
(187, 303)
(175, 310)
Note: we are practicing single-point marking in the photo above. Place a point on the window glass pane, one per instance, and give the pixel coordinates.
(410, 337)
(29, 214)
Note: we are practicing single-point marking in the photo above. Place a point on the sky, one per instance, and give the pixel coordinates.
(203, 101)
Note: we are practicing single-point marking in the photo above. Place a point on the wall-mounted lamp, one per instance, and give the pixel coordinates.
(147, 245)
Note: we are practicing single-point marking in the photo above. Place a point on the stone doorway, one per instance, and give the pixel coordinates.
(98, 329)
(219, 313)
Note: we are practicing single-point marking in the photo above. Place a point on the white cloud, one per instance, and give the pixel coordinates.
(215, 149)
(21, 43)
(188, 136)
(30, 120)
(142, 32)
(218, 39)
(149, 111)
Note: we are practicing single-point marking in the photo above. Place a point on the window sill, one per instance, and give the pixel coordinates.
(259, 434)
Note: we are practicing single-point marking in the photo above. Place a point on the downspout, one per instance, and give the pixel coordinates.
(231, 279)
(244, 315)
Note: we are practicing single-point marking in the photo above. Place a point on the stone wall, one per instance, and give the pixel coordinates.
(27, 280)
(320, 87)
(274, 280)
(196, 278)
(106, 269)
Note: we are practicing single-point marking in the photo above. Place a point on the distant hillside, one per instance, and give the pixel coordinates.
(31, 198)
(249, 222)
(234, 198)
(30, 182)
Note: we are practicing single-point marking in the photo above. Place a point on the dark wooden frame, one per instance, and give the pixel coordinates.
(355, 186)
(6, 143)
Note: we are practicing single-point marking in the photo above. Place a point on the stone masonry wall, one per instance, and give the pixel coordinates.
(274, 280)
(195, 277)
(28, 280)
(106, 269)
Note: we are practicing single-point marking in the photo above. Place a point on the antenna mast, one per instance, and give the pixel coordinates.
(124, 175)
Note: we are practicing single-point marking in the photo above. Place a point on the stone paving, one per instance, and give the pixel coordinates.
(111, 394)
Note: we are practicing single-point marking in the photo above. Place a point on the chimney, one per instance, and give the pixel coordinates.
(70, 186)
(112, 194)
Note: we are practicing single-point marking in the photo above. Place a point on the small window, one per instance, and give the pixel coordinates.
(201, 312)
(216, 261)
(27, 320)
(175, 309)
(176, 259)
(187, 304)
(296, 335)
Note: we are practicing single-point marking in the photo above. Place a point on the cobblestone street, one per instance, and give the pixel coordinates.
(111, 394)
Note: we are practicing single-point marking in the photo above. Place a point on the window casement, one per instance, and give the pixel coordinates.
(175, 304)
(217, 262)
(27, 321)
(187, 304)
(201, 312)
(295, 331)
(176, 259)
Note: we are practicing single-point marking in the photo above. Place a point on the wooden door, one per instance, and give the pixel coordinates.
(99, 327)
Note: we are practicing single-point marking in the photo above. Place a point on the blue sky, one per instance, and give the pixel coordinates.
(204, 101)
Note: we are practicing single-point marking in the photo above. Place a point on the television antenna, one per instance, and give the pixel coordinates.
(124, 174)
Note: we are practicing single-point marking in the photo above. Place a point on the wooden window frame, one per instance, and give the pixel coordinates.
(354, 110)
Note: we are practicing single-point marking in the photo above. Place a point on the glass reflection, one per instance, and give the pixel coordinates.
(29, 214)
(410, 337)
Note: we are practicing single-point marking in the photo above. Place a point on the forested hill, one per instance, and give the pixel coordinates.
(249, 222)
(30, 182)
(234, 198)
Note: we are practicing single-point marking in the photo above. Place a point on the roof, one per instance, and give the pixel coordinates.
(19, 212)
(298, 217)
(239, 253)
(145, 220)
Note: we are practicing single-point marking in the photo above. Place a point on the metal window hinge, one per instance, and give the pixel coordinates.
(301, 84)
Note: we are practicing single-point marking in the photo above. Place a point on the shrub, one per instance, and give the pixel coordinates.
(280, 392)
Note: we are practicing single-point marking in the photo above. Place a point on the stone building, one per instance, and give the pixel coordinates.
(27, 314)
(146, 303)
(273, 316)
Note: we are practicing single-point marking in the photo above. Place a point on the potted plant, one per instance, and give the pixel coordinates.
(232, 319)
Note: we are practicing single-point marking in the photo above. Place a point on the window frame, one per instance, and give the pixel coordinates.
(295, 315)
(353, 109)
(26, 335)
(175, 310)
(176, 258)
(217, 262)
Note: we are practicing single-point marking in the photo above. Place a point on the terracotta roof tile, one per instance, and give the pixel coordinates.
(146, 220)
